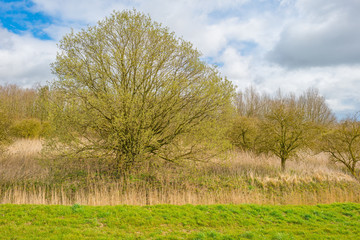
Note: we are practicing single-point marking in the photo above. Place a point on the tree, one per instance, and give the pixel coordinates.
(17, 102)
(284, 130)
(251, 103)
(315, 108)
(127, 89)
(244, 132)
(342, 142)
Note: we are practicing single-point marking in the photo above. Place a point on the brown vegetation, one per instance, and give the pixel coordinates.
(242, 178)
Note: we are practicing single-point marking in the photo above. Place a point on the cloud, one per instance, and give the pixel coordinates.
(84, 11)
(337, 84)
(236, 67)
(271, 44)
(25, 60)
(325, 33)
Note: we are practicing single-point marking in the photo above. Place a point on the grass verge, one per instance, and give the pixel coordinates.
(334, 221)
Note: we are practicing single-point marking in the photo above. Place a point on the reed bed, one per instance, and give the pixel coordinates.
(241, 178)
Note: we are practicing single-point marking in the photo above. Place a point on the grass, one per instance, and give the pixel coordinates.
(241, 178)
(335, 221)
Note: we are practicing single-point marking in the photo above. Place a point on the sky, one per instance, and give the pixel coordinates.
(267, 44)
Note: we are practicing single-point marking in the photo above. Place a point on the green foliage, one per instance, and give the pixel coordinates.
(335, 221)
(128, 90)
(77, 208)
(19, 115)
(342, 142)
(285, 130)
(46, 129)
(244, 133)
(27, 128)
(280, 125)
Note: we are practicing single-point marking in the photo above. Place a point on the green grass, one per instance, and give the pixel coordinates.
(335, 221)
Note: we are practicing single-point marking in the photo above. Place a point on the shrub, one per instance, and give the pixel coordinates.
(27, 128)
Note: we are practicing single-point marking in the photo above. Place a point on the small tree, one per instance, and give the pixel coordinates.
(128, 89)
(284, 130)
(244, 132)
(342, 142)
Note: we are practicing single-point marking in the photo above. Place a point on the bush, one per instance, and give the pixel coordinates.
(27, 128)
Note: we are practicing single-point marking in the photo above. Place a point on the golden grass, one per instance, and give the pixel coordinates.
(242, 178)
(20, 161)
(114, 195)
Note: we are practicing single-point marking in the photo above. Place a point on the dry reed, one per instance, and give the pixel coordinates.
(242, 178)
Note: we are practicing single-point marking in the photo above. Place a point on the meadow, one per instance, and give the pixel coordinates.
(335, 221)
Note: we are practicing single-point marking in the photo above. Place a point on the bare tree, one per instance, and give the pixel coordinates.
(315, 107)
(251, 103)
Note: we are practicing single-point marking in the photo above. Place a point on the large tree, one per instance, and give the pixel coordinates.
(127, 88)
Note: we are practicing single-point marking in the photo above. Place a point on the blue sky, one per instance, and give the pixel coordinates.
(19, 17)
(268, 44)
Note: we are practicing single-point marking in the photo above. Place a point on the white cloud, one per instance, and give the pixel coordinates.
(236, 67)
(339, 85)
(85, 11)
(24, 60)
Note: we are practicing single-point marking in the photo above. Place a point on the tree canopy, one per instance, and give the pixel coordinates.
(128, 88)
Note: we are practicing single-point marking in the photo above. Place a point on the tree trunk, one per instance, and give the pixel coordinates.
(283, 160)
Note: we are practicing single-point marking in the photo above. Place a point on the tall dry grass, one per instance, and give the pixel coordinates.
(241, 178)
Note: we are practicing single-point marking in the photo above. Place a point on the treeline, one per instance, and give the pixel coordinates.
(128, 91)
(282, 125)
(23, 112)
(285, 124)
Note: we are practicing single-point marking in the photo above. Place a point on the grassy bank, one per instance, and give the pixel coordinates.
(335, 221)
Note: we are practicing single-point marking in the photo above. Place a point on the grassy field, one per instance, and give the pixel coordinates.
(335, 221)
